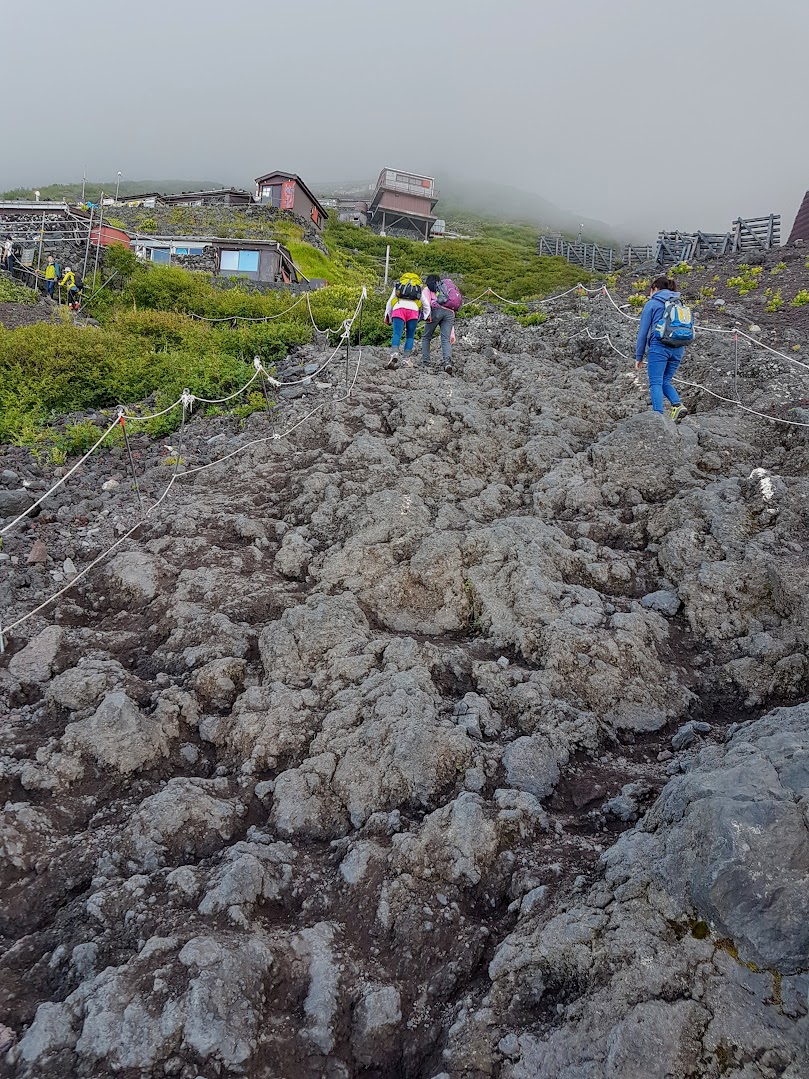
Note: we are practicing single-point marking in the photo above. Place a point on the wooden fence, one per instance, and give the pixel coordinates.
(588, 256)
(746, 236)
(638, 255)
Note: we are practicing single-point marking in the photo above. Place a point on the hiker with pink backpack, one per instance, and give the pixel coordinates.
(445, 302)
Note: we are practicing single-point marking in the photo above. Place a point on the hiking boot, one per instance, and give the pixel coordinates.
(448, 369)
(679, 412)
(393, 362)
(407, 360)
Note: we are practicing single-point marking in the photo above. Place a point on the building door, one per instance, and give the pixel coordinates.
(271, 195)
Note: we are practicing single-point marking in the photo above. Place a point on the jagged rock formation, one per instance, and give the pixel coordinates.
(461, 735)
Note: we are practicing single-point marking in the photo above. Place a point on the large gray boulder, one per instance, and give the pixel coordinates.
(730, 840)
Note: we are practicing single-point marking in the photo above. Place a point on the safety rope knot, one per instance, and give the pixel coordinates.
(187, 400)
(277, 435)
(257, 363)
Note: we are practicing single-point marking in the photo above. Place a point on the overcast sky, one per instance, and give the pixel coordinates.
(641, 114)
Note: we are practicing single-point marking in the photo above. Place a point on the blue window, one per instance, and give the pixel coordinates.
(239, 262)
(248, 261)
(161, 254)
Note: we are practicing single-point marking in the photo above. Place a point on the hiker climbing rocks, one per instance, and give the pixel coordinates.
(666, 327)
(408, 299)
(51, 275)
(444, 301)
(7, 247)
(74, 288)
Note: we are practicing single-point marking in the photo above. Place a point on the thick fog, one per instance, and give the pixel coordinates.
(643, 115)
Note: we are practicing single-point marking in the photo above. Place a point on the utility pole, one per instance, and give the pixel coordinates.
(387, 263)
(83, 183)
(116, 188)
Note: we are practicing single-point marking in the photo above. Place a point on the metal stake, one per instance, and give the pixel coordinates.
(132, 465)
(736, 370)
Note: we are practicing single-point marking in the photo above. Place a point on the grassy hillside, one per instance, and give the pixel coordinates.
(148, 343)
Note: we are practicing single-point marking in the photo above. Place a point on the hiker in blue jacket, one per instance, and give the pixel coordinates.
(663, 360)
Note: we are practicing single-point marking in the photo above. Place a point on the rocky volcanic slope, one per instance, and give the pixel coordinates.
(461, 735)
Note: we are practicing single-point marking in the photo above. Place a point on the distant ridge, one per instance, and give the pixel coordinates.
(93, 188)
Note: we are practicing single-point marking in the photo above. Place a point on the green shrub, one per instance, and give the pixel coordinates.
(123, 261)
(149, 346)
(13, 292)
(746, 280)
(79, 437)
(802, 298)
(775, 301)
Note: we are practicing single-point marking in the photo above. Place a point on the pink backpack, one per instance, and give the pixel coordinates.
(449, 295)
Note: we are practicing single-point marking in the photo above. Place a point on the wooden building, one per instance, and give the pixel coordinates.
(266, 261)
(403, 202)
(287, 191)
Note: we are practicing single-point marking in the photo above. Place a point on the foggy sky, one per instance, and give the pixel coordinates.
(641, 114)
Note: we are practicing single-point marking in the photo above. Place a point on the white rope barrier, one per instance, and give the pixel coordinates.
(6, 630)
(60, 481)
(715, 329)
(249, 318)
(187, 400)
(698, 386)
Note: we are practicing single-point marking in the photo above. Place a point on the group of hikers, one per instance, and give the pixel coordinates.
(666, 327)
(435, 301)
(71, 280)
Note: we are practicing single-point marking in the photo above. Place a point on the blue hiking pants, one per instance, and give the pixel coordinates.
(409, 329)
(663, 363)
